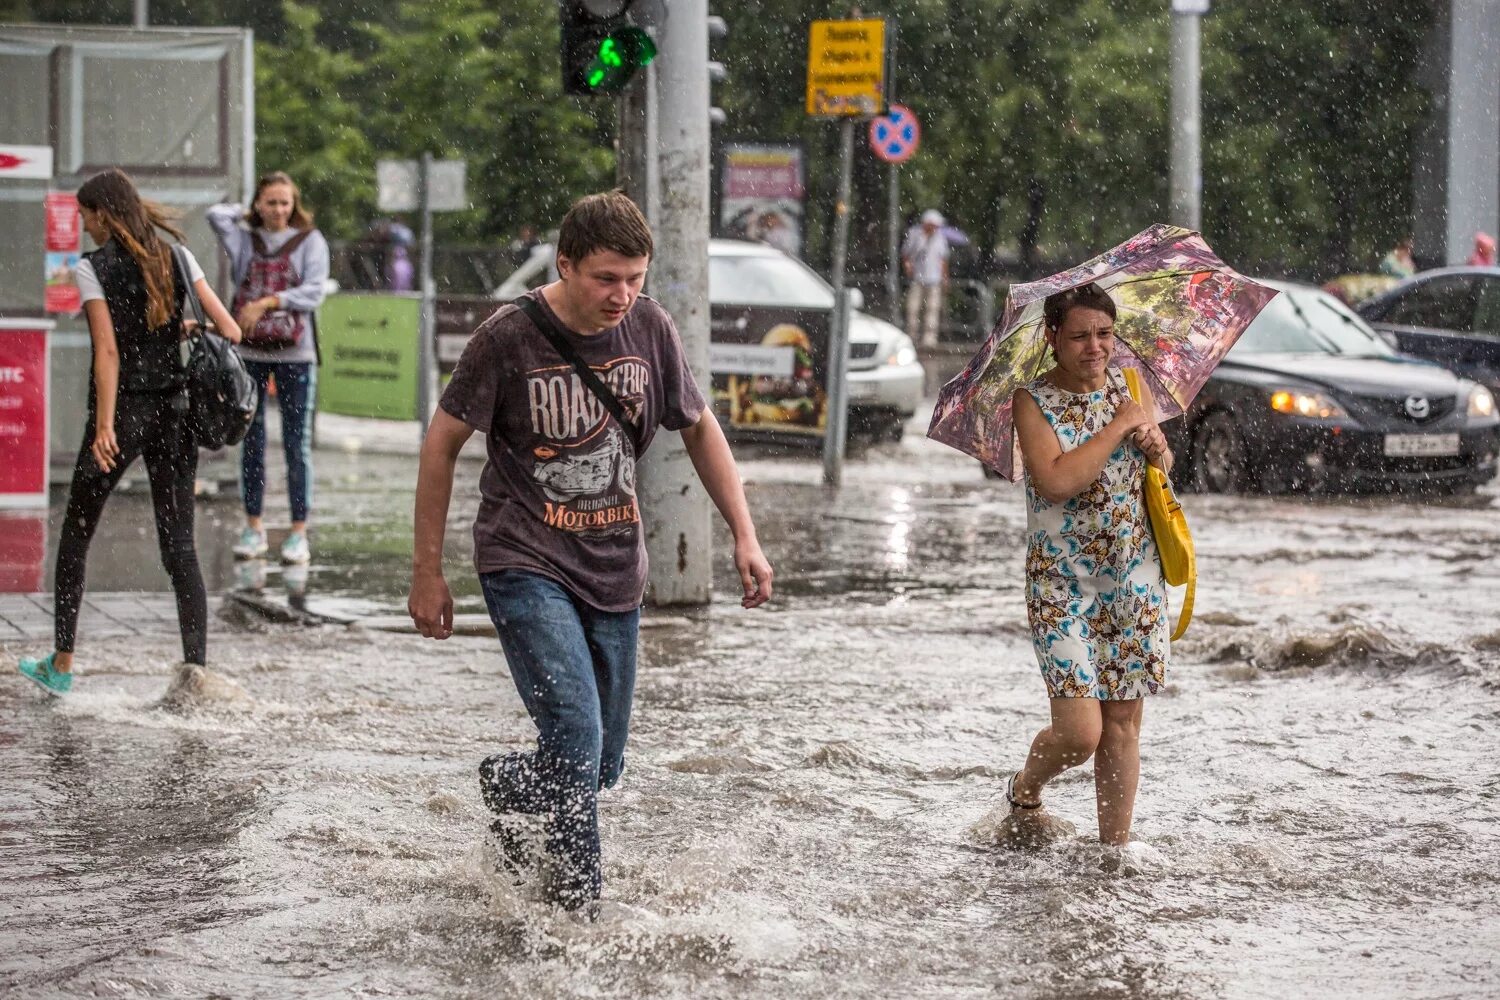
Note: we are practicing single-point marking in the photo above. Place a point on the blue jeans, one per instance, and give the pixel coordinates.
(296, 392)
(574, 667)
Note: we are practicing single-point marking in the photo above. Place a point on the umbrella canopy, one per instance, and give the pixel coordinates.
(1180, 309)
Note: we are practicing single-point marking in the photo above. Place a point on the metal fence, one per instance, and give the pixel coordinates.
(359, 265)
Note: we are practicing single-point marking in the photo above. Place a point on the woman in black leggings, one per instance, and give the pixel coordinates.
(132, 296)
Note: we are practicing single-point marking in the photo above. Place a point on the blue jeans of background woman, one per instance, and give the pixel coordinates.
(296, 394)
(574, 667)
(153, 426)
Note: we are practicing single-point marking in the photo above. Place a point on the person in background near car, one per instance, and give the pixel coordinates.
(132, 297)
(558, 540)
(400, 276)
(280, 266)
(1096, 596)
(1399, 263)
(1484, 251)
(526, 241)
(924, 256)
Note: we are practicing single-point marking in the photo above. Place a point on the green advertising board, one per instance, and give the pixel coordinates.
(369, 346)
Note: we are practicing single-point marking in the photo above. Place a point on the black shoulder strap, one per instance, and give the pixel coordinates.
(596, 385)
(179, 257)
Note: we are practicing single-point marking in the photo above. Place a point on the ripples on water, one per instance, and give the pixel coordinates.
(810, 800)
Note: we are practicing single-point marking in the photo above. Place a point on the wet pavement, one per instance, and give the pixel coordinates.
(809, 804)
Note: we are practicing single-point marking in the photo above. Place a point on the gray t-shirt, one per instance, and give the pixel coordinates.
(557, 496)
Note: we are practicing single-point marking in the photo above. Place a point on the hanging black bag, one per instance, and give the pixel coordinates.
(221, 393)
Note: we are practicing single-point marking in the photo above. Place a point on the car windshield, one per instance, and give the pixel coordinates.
(765, 280)
(1310, 322)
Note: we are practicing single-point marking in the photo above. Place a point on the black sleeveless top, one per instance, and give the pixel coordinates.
(149, 359)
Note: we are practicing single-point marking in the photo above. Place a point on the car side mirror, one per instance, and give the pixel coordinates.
(856, 298)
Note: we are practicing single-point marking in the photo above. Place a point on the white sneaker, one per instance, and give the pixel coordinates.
(294, 549)
(252, 544)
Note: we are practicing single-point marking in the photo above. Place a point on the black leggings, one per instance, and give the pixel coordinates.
(153, 426)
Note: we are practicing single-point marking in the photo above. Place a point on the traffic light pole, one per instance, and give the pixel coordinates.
(677, 510)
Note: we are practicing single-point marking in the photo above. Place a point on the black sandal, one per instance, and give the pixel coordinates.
(1010, 789)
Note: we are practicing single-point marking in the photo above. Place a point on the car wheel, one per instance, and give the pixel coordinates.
(896, 429)
(1219, 457)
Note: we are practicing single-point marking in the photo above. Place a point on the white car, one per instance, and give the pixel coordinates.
(886, 382)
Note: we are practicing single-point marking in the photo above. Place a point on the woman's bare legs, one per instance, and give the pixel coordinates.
(1117, 769)
(1068, 742)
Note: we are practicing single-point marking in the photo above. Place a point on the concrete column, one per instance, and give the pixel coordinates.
(675, 507)
(1473, 187)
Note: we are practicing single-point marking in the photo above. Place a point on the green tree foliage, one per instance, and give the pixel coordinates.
(1045, 123)
(308, 125)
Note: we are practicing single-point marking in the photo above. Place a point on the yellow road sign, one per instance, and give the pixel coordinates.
(846, 68)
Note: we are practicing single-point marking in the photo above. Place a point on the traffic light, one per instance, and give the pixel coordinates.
(601, 49)
(717, 29)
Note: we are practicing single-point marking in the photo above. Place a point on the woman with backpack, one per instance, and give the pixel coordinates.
(138, 406)
(279, 265)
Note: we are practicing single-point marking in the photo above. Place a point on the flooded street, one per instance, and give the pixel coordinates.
(810, 799)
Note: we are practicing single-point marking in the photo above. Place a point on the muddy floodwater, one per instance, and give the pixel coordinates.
(810, 800)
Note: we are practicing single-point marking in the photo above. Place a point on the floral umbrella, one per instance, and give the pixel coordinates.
(1180, 309)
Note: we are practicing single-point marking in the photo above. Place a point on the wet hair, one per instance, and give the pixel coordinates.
(605, 221)
(1055, 310)
(133, 221)
(300, 218)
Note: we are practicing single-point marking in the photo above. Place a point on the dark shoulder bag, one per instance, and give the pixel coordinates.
(221, 393)
(559, 342)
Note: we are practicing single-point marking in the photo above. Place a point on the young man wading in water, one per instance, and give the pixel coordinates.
(558, 542)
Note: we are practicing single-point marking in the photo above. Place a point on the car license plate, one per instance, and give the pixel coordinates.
(861, 390)
(1411, 445)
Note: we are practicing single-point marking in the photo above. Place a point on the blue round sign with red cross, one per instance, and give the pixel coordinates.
(895, 136)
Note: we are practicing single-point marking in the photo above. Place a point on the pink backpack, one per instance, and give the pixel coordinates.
(271, 273)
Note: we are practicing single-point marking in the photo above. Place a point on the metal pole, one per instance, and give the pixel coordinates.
(142, 13)
(838, 338)
(1187, 171)
(426, 348)
(893, 246)
(675, 509)
(652, 203)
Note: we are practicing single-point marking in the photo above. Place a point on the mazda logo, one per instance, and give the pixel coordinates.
(1417, 407)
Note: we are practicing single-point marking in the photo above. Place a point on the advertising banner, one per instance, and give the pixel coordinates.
(64, 243)
(369, 345)
(770, 369)
(23, 412)
(762, 195)
(23, 551)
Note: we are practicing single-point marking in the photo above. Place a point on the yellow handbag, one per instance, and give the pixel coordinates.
(1174, 541)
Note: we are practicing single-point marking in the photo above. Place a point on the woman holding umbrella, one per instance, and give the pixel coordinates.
(1096, 599)
(1043, 395)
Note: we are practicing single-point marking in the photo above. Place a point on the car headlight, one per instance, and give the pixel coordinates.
(1481, 402)
(1313, 405)
(904, 354)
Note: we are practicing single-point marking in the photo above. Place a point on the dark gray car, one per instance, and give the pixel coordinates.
(1450, 315)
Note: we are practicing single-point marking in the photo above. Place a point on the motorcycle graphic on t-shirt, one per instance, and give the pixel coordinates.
(585, 467)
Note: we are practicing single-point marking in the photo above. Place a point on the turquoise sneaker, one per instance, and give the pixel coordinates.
(295, 550)
(55, 682)
(251, 545)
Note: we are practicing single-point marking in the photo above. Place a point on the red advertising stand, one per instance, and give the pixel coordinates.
(24, 378)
